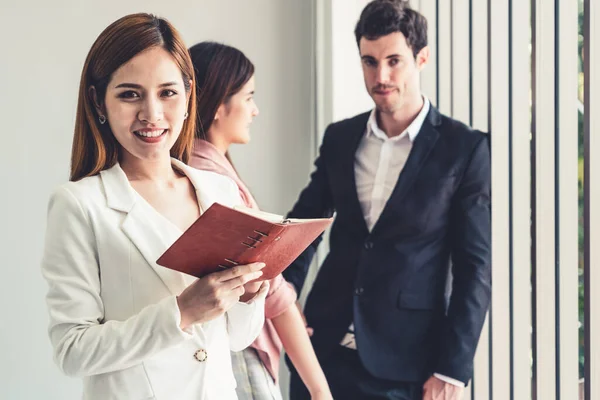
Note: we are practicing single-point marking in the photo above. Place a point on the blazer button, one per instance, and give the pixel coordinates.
(358, 291)
(368, 245)
(201, 355)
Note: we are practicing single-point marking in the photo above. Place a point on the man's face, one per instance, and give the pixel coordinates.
(391, 71)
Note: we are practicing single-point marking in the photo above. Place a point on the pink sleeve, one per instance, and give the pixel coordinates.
(280, 297)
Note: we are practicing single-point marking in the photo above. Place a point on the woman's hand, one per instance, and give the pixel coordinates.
(211, 296)
(251, 289)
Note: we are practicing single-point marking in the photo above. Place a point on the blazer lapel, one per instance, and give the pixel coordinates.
(348, 177)
(151, 233)
(211, 187)
(422, 146)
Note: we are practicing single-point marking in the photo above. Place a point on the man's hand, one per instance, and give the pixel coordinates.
(437, 389)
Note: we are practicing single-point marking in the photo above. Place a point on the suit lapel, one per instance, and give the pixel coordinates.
(422, 146)
(149, 231)
(152, 237)
(218, 189)
(348, 176)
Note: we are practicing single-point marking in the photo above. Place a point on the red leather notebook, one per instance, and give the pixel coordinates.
(224, 237)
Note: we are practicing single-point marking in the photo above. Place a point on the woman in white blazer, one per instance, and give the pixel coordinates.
(132, 329)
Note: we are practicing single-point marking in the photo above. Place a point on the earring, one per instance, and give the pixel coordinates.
(186, 115)
(102, 119)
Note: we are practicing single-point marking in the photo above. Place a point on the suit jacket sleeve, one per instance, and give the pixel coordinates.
(470, 231)
(315, 201)
(84, 344)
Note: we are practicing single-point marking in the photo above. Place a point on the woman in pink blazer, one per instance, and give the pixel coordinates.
(225, 109)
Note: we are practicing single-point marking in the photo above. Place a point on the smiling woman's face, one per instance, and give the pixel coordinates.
(145, 105)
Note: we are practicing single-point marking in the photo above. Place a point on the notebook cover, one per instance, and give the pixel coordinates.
(223, 237)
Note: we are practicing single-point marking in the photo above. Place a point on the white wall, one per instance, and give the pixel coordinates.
(340, 91)
(43, 46)
(350, 96)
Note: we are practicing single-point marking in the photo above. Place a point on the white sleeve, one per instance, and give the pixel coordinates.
(84, 344)
(447, 379)
(246, 320)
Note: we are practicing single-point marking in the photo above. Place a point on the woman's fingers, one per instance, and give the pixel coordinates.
(238, 271)
(241, 280)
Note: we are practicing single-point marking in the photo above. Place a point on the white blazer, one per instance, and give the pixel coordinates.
(114, 318)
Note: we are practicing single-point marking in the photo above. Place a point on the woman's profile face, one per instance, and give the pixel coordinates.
(145, 105)
(234, 118)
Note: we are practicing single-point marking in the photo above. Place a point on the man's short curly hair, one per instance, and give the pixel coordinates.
(382, 17)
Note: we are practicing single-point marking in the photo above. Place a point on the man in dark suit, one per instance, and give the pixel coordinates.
(411, 191)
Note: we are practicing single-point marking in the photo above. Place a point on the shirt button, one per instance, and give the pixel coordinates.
(359, 291)
(201, 355)
(368, 245)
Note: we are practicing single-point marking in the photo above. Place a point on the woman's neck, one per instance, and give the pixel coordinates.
(217, 140)
(157, 171)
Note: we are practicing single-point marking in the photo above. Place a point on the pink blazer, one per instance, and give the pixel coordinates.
(281, 294)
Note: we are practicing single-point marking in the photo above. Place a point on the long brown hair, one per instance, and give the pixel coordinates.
(94, 146)
(221, 71)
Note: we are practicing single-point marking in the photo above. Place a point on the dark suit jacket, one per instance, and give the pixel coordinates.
(391, 281)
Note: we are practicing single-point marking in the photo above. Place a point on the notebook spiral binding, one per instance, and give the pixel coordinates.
(255, 241)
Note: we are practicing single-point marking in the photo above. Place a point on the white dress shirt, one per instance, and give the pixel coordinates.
(378, 162)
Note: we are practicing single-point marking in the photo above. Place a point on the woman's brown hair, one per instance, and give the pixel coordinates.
(94, 145)
(221, 71)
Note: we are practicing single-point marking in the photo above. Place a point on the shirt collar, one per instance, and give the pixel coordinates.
(412, 130)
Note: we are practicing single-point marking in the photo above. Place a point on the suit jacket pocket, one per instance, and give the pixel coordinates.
(126, 384)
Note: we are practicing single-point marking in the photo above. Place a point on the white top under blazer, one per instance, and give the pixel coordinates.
(114, 318)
